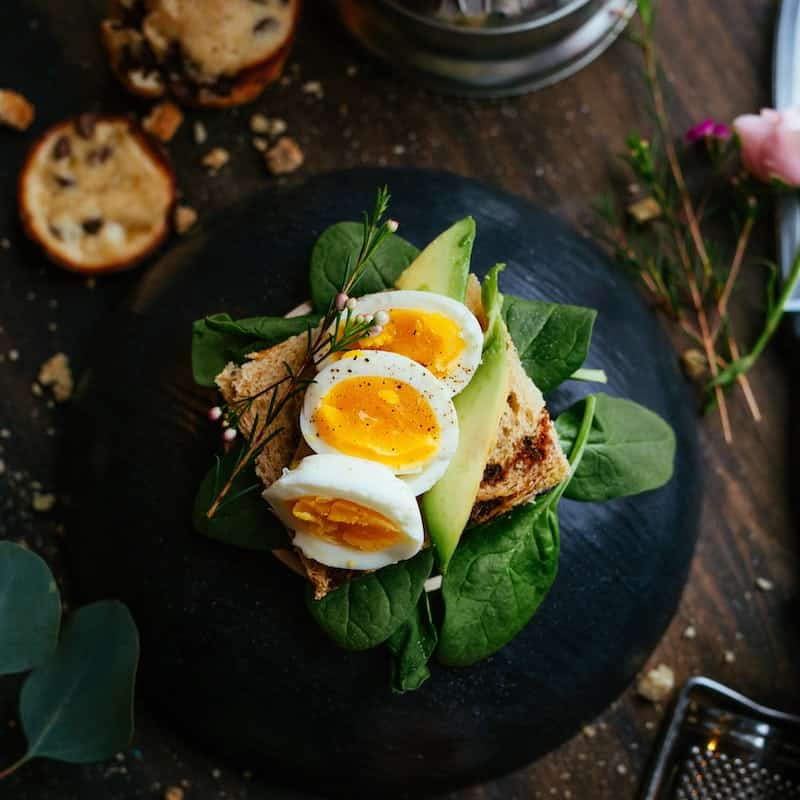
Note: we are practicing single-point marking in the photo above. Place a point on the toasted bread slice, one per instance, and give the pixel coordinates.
(96, 193)
(209, 53)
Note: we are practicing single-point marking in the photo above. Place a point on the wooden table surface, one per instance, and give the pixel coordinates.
(557, 147)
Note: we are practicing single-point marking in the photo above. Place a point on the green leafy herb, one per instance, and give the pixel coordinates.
(78, 707)
(338, 247)
(218, 339)
(366, 611)
(30, 610)
(412, 645)
(630, 449)
(552, 339)
(243, 519)
(502, 571)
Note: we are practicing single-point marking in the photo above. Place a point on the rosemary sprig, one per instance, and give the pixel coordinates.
(339, 330)
(685, 273)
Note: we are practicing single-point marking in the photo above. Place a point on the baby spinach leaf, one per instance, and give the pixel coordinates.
(366, 611)
(30, 610)
(78, 706)
(218, 339)
(244, 519)
(412, 645)
(630, 450)
(502, 571)
(338, 247)
(552, 339)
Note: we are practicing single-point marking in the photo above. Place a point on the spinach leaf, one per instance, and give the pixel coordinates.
(338, 247)
(412, 645)
(501, 572)
(630, 450)
(552, 339)
(244, 519)
(366, 611)
(30, 610)
(218, 339)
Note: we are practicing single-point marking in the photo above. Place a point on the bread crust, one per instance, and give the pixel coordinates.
(151, 148)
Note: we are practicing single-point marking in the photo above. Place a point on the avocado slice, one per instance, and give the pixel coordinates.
(446, 507)
(443, 266)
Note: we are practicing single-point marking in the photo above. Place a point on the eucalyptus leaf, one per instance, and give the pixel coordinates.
(552, 339)
(502, 571)
(78, 707)
(218, 339)
(412, 645)
(630, 450)
(30, 610)
(366, 611)
(244, 518)
(338, 247)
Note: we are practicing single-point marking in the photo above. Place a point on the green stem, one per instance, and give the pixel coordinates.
(578, 448)
(589, 376)
(14, 767)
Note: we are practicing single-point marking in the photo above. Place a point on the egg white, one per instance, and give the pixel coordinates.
(364, 482)
(463, 369)
(378, 363)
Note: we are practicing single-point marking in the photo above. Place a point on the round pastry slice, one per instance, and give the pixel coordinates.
(96, 194)
(210, 53)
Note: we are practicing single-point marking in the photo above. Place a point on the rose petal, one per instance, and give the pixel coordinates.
(754, 131)
(782, 154)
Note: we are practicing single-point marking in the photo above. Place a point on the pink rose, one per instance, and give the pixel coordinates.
(771, 144)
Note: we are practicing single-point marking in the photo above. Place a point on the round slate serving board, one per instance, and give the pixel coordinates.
(229, 652)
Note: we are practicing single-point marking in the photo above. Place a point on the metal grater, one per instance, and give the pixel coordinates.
(719, 745)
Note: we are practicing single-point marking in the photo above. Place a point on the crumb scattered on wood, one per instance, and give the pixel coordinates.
(13, 355)
(313, 88)
(765, 584)
(56, 373)
(285, 157)
(216, 158)
(43, 503)
(183, 218)
(645, 210)
(689, 632)
(589, 731)
(200, 133)
(259, 123)
(261, 144)
(16, 111)
(173, 793)
(729, 656)
(163, 120)
(657, 684)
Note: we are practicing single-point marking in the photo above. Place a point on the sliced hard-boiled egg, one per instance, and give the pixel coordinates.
(385, 408)
(436, 331)
(348, 513)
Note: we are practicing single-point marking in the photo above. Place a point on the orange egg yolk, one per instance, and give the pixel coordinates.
(347, 523)
(380, 419)
(429, 338)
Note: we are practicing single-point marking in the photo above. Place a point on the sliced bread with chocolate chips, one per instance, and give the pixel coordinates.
(209, 53)
(96, 193)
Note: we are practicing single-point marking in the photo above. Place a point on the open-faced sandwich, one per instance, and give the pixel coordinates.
(210, 53)
(401, 439)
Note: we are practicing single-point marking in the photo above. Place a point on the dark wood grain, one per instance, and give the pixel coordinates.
(558, 148)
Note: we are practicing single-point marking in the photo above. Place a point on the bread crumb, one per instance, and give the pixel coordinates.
(173, 793)
(5, 243)
(657, 684)
(36, 390)
(216, 158)
(650, 725)
(285, 157)
(689, 632)
(729, 656)
(622, 769)
(351, 71)
(645, 210)
(765, 584)
(15, 110)
(259, 123)
(55, 372)
(277, 127)
(183, 218)
(260, 144)
(13, 355)
(163, 120)
(200, 133)
(589, 731)
(313, 88)
(42, 503)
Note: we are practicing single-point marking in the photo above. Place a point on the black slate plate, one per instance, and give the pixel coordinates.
(230, 654)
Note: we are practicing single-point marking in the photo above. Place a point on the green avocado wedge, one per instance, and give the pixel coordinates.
(443, 266)
(447, 506)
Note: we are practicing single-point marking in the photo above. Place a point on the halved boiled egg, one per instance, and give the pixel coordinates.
(348, 513)
(384, 408)
(436, 331)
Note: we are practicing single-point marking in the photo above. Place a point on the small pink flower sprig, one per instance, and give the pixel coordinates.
(339, 330)
(669, 250)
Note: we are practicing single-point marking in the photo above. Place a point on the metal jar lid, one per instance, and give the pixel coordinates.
(487, 47)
